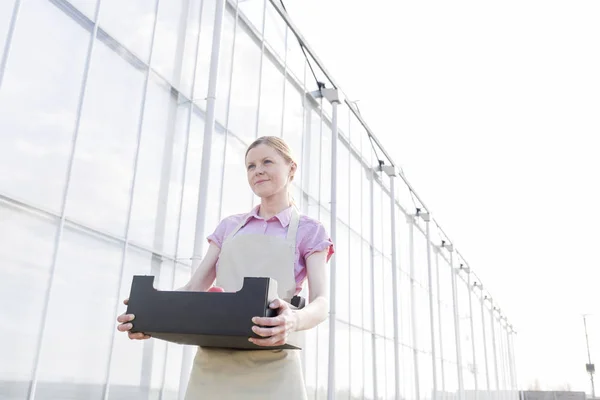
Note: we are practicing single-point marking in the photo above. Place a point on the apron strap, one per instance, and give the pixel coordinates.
(293, 227)
(243, 222)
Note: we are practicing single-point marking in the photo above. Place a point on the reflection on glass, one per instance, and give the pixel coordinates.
(131, 23)
(23, 276)
(84, 352)
(37, 130)
(158, 182)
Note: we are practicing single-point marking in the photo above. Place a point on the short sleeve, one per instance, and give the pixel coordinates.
(218, 235)
(317, 240)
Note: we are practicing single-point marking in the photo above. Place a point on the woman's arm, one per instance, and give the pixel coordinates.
(318, 307)
(205, 274)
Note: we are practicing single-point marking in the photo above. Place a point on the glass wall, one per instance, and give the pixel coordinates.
(103, 106)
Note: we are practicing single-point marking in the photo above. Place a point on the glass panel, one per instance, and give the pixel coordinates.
(367, 201)
(87, 7)
(131, 23)
(342, 284)
(159, 178)
(386, 220)
(356, 285)
(390, 370)
(207, 18)
(253, 10)
(189, 206)
(175, 42)
(342, 361)
(293, 121)
(310, 351)
(83, 362)
(388, 298)
(244, 85)
(377, 216)
(38, 129)
(343, 182)
(226, 60)
(322, 359)
(313, 156)
(215, 182)
(380, 315)
(356, 362)
(236, 191)
(325, 174)
(366, 288)
(104, 158)
(275, 31)
(407, 383)
(425, 376)
(406, 313)
(271, 99)
(24, 276)
(368, 365)
(355, 199)
(382, 372)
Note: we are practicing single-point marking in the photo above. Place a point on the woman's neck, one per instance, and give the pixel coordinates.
(273, 205)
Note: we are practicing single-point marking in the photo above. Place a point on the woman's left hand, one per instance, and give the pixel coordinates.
(275, 330)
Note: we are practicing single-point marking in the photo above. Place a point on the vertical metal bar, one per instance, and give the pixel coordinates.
(186, 354)
(209, 127)
(332, 262)
(61, 225)
(372, 249)
(485, 348)
(411, 241)
(260, 69)
(431, 309)
(461, 393)
(395, 290)
(285, 70)
(511, 354)
(497, 379)
(8, 43)
(437, 273)
(475, 369)
(147, 347)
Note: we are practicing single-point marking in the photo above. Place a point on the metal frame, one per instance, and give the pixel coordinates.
(411, 240)
(461, 390)
(439, 304)
(426, 217)
(475, 369)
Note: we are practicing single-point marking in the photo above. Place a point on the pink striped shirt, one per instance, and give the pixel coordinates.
(311, 236)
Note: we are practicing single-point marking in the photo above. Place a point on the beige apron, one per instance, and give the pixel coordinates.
(252, 374)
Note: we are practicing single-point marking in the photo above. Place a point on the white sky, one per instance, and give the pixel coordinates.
(492, 110)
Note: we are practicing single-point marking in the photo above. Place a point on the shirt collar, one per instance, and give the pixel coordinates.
(284, 216)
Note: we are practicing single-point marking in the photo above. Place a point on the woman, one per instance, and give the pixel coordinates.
(272, 240)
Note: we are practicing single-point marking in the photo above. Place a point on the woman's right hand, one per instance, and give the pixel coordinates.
(126, 325)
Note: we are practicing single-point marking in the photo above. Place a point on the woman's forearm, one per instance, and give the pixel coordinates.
(313, 314)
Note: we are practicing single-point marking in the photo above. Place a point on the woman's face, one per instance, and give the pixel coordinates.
(268, 172)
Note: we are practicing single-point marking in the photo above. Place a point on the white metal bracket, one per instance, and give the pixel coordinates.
(390, 170)
(330, 94)
(448, 246)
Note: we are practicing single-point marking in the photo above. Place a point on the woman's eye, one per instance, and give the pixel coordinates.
(268, 162)
(250, 167)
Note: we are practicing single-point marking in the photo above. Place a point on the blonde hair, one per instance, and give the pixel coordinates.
(284, 151)
(279, 145)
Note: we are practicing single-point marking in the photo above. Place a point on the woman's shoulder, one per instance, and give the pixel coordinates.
(310, 224)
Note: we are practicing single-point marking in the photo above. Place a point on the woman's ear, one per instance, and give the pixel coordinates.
(293, 168)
